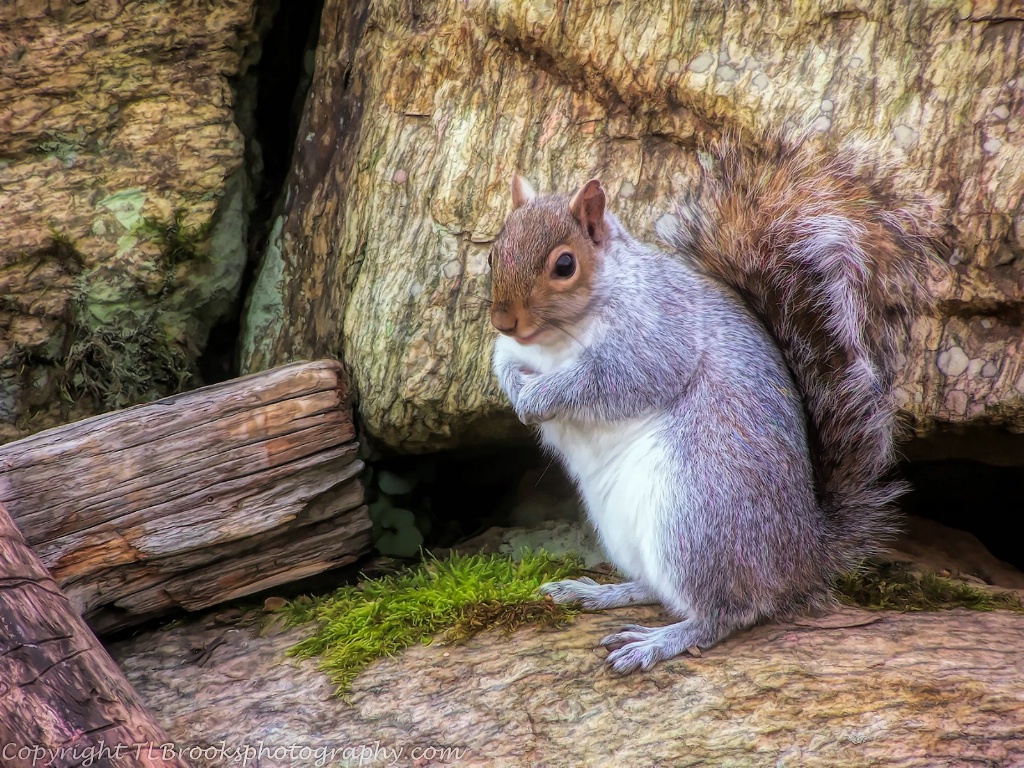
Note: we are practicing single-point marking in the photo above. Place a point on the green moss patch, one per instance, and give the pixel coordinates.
(178, 241)
(122, 348)
(61, 145)
(124, 363)
(897, 587)
(459, 596)
(64, 250)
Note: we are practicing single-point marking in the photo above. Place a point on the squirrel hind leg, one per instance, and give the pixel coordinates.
(637, 647)
(597, 597)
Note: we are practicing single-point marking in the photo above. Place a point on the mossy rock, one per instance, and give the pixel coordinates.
(463, 595)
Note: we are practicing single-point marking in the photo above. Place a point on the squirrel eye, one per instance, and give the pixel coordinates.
(565, 266)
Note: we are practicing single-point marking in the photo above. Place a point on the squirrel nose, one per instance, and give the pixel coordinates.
(504, 321)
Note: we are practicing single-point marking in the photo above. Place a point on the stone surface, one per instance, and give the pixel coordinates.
(117, 120)
(419, 112)
(916, 689)
(911, 690)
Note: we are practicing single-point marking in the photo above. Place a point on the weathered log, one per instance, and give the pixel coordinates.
(194, 499)
(63, 700)
(422, 110)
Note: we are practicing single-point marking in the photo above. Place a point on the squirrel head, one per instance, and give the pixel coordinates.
(544, 259)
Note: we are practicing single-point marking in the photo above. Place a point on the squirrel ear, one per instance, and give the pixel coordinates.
(587, 207)
(522, 192)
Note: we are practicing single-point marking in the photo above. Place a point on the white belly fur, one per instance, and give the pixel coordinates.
(618, 469)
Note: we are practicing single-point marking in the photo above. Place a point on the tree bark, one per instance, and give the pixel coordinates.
(422, 111)
(63, 700)
(195, 499)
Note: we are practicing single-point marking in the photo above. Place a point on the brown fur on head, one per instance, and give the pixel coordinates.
(544, 258)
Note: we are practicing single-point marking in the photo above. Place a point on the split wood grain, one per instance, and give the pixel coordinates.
(194, 499)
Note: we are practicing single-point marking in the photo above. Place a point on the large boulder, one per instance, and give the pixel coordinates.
(123, 198)
(420, 111)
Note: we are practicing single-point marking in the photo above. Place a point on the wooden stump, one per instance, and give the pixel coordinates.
(63, 700)
(194, 499)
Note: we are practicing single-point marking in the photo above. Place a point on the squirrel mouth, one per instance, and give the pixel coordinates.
(529, 339)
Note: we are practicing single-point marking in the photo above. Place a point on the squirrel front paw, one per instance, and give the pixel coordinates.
(510, 378)
(531, 406)
(583, 590)
(531, 419)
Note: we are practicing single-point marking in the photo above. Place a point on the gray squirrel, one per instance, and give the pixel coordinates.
(726, 411)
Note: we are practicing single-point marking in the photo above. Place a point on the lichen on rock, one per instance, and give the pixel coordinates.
(124, 198)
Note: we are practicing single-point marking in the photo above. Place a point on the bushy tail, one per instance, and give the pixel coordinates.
(833, 262)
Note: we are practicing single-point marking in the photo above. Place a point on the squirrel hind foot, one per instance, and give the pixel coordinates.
(640, 648)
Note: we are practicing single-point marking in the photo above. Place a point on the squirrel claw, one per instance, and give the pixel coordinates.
(625, 661)
(631, 633)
